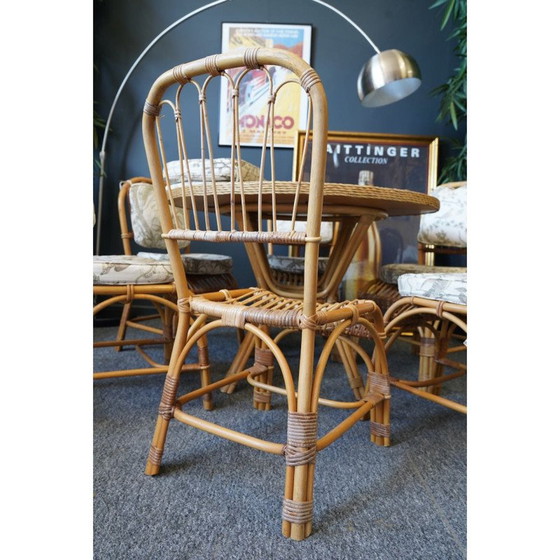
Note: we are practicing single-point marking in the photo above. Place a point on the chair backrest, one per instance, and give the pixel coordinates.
(444, 231)
(175, 133)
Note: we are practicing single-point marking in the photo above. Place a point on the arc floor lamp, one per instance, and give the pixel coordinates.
(386, 77)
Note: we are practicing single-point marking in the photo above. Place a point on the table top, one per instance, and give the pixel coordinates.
(338, 196)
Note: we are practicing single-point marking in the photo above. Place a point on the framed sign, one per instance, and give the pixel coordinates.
(384, 160)
(291, 107)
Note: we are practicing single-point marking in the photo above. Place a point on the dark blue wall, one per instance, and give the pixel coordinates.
(122, 30)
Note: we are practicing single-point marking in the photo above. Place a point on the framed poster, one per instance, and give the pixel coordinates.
(291, 108)
(384, 160)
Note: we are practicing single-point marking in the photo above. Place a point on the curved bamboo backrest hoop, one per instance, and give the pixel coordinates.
(210, 203)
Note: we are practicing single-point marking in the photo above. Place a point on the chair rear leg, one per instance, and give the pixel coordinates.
(121, 332)
(165, 413)
(205, 377)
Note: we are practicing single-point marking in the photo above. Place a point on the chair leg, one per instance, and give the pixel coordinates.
(301, 448)
(168, 398)
(426, 362)
(348, 359)
(168, 319)
(165, 413)
(205, 378)
(121, 332)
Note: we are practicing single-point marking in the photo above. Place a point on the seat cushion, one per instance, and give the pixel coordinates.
(293, 265)
(198, 263)
(390, 273)
(443, 287)
(447, 226)
(130, 269)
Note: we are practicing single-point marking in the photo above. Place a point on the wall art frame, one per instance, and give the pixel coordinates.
(384, 160)
(291, 111)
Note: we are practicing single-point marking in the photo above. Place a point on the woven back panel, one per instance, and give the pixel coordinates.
(231, 199)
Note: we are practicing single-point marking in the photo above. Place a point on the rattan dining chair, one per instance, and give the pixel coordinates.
(127, 279)
(436, 305)
(442, 233)
(281, 77)
(140, 226)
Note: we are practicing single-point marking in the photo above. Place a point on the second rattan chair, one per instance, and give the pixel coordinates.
(238, 211)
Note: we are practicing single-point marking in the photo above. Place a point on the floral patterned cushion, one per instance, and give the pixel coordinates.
(198, 263)
(390, 273)
(130, 269)
(294, 265)
(444, 287)
(222, 170)
(447, 226)
(144, 217)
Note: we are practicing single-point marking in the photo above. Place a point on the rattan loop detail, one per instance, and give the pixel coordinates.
(264, 357)
(211, 65)
(180, 76)
(183, 305)
(306, 322)
(169, 391)
(427, 348)
(297, 512)
(250, 58)
(379, 383)
(261, 397)
(155, 455)
(301, 447)
(308, 79)
(234, 317)
(381, 430)
(151, 109)
(166, 412)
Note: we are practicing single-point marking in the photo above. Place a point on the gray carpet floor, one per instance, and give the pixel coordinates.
(216, 499)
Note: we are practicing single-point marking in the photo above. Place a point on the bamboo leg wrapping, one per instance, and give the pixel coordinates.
(264, 360)
(380, 426)
(300, 449)
(427, 353)
(165, 413)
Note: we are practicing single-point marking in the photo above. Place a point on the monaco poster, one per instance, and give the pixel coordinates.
(290, 111)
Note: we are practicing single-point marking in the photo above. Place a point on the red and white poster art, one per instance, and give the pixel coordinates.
(290, 111)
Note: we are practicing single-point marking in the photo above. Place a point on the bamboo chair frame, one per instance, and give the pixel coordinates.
(436, 323)
(257, 311)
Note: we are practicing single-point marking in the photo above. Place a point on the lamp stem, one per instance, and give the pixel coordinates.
(108, 122)
(354, 25)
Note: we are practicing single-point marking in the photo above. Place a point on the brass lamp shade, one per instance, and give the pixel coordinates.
(388, 77)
